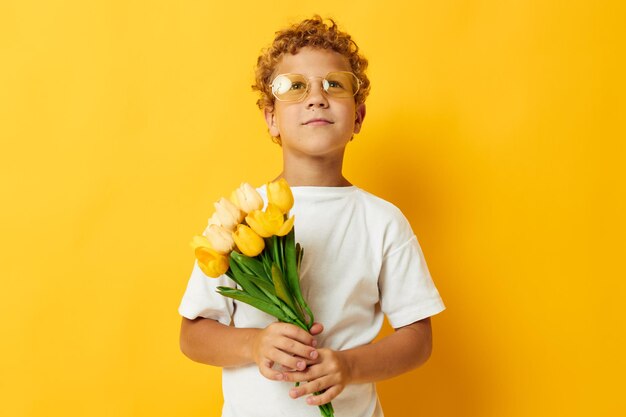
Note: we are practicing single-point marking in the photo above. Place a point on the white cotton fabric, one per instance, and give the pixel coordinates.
(361, 261)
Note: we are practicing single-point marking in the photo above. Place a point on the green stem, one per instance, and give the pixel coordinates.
(326, 411)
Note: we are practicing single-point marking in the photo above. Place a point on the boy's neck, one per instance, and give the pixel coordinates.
(307, 171)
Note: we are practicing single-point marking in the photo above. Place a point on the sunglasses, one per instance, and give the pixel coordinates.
(295, 87)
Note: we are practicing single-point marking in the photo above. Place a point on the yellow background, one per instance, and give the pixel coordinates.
(497, 127)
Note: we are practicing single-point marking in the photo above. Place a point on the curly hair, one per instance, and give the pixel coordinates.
(312, 33)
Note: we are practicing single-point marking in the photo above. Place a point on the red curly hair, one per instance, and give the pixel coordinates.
(312, 33)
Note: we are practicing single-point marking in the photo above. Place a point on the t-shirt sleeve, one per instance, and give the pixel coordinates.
(407, 291)
(202, 300)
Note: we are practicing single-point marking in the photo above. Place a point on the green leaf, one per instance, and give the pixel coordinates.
(300, 255)
(261, 289)
(291, 265)
(275, 254)
(244, 281)
(292, 276)
(231, 274)
(298, 250)
(252, 266)
(266, 259)
(266, 287)
(269, 244)
(281, 253)
(262, 305)
(268, 291)
(281, 288)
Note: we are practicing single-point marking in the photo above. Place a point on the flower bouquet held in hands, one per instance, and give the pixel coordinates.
(256, 248)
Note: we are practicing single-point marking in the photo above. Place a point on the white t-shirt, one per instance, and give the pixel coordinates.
(361, 261)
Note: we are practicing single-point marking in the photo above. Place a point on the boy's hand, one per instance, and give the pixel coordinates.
(286, 345)
(330, 372)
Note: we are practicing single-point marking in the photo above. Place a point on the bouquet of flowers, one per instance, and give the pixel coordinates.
(256, 248)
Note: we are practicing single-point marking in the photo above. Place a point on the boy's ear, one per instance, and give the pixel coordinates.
(270, 120)
(358, 120)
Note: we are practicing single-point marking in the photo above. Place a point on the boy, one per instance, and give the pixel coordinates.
(361, 259)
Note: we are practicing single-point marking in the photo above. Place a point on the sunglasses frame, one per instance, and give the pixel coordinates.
(308, 85)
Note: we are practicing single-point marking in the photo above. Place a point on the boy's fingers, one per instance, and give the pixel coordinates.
(294, 347)
(286, 360)
(308, 374)
(311, 387)
(294, 332)
(316, 329)
(326, 397)
(266, 370)
(286, 369)
(308, 362)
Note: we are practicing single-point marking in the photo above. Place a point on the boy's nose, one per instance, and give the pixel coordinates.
(316, 96)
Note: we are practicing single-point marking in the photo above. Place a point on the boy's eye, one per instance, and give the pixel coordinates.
(334, 84)
(297, 85)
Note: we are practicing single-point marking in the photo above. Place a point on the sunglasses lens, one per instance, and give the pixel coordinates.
(289, 87)
(341, 84)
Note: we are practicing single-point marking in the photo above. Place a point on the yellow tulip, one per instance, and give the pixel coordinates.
(220, 238)
(266, 223)
(286, 227)
(228, 214)
(248, 242)
(212, 263)
(247, 198)
(279, 194)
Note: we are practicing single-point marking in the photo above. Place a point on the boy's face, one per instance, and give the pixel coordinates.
(318, 125)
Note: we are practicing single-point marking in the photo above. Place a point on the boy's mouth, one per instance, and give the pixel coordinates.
(317, 122)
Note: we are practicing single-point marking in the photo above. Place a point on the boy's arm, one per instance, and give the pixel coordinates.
(210, 342)
(405, 349)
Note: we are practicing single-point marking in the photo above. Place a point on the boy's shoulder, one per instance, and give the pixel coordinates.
(386, 220)
(385, 213)
(379, 204)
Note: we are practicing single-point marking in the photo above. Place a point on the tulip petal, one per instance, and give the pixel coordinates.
(228, 214)
(199, 241)
(248, 242)
(234, 198)
(279, 193)
(286, 227)
(254, 221)
(221, 239)
(210, 262)
(247, 198)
